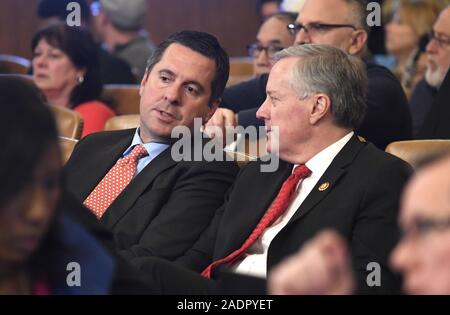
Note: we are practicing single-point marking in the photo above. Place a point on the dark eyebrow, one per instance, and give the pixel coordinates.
(166, 71)
(172, 74)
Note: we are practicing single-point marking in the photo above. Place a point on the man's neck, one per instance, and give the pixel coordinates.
(318, 143)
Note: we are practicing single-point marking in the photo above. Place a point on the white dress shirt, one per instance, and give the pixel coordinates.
(254, 262)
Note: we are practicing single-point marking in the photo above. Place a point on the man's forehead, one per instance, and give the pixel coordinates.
(428, 194)
(442, 24)
(183, 61)
(324, 11)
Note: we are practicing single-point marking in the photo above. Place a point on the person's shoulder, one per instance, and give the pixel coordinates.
(107, 137)
(380, 74)
(377, 160)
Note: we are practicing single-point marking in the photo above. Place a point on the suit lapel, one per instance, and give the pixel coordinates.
(266, 185)
(136, 188)
(335, 171)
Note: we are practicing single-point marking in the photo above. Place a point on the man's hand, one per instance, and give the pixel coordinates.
(216, 126)
(322, 266)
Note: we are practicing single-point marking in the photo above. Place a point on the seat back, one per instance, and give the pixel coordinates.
(69, 122)
(124, 98)
(122, 122)
(241, 69)
(414, 151)
(67, 145)
(10, 64)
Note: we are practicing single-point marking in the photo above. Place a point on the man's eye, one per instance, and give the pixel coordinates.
(192, 90)
(164, 78)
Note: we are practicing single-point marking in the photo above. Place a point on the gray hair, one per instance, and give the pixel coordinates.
(329, 70)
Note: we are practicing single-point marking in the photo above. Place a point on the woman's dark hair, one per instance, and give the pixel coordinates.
(27, 128)
(78, 44)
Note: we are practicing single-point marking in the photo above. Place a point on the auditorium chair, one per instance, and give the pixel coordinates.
(415, 151)
(69, 122)
(122, 122)
(67, 146)
(10, 64)
(123, 98)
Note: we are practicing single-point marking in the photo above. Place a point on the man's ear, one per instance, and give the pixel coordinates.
(320, 108)
(212, 109)
(358, 42)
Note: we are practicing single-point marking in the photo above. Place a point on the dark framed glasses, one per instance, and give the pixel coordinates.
(255, 49)
(441, 40)
(311, 28)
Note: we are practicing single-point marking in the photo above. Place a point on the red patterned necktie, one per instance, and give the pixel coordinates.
(118, 177)
(278, 207)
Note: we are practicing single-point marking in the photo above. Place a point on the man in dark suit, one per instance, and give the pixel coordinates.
(154, 204)
(327, 178)
(341, 23)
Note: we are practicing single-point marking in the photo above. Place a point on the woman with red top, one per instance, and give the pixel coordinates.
(66, 70)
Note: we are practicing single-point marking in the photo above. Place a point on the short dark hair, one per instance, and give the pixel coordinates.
(27, 127)
(78, 44)
(206, 45)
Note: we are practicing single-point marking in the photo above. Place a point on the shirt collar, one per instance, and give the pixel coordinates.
(153, 148)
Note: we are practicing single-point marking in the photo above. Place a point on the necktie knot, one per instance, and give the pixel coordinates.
(301, 171)
(138, 152)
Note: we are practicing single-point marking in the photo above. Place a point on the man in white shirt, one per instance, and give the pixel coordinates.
(327, 178)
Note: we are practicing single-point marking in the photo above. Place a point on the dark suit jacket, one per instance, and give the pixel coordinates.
(361, 203)
(165, 208)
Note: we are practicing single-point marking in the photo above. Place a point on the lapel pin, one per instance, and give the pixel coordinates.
(324, 186)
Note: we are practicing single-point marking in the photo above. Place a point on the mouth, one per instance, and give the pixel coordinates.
(40, 76)
(166, 116)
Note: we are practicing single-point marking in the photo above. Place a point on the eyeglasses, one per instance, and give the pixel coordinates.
(313, 28)
(255, 49)
(441, 40)
(424, 225)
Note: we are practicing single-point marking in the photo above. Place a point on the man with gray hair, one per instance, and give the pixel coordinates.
(119, 25)
(341, 23)
(438, 63)
(328, 178)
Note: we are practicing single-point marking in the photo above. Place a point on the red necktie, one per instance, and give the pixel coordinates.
(118, 177)
(278, 207)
